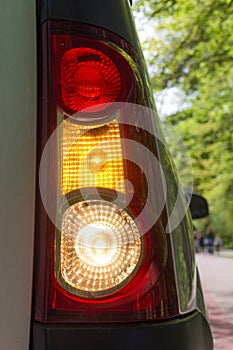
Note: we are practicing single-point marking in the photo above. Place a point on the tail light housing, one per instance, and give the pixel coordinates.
(99, 254)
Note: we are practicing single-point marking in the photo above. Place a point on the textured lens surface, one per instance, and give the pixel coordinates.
(93, 158)
(90, 79)
(100, 248)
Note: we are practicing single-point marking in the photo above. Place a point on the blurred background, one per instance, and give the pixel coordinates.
(188, 46)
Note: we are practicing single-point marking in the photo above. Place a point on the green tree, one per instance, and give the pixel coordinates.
(192, 49)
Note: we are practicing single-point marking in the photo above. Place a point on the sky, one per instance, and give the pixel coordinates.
(170, 100)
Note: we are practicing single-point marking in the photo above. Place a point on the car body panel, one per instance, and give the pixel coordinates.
(17, 164)
(190, 332)
(102, 13)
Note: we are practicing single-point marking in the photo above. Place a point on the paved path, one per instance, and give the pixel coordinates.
(216, 273)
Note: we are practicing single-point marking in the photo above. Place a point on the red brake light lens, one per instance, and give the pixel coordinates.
(89, 76)
(89, 80)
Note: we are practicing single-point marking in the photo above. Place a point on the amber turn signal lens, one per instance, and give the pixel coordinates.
(92, 158)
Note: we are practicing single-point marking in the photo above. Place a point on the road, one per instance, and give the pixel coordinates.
(216, 273)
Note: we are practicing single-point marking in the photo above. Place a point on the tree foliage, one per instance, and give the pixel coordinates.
(192, 49)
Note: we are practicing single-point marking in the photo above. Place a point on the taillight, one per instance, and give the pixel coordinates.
(101, 250)
(89, 78)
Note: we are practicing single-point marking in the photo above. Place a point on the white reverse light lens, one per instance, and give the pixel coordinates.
(100, 248)
(96, 244)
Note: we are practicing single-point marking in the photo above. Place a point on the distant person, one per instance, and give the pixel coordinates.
(202, 243)
(196, 240)
(209, 236)
(217, 243)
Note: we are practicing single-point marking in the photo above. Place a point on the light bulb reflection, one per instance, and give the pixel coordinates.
(96, 245)
(96, 159)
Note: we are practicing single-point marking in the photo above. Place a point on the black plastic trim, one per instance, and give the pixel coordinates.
(191, 332)
(112, 15)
